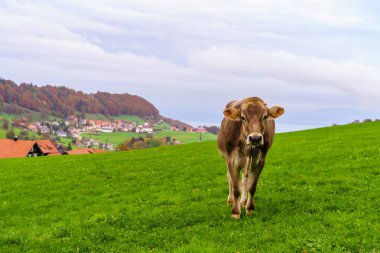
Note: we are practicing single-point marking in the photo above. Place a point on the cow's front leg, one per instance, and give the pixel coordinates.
(253, 178)
(235, 182)
(244, 188)
(230, 199)
(243, 199)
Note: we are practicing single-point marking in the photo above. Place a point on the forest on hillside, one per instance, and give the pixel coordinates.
(62, 101)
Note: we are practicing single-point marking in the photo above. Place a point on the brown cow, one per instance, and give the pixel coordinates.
(244, 138)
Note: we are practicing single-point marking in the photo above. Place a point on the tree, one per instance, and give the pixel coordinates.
(1, 102)
(10, 135)
(24, 135)
(69, 147)
(6, 124)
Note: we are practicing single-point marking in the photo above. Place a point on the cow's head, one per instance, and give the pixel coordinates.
(253, 114)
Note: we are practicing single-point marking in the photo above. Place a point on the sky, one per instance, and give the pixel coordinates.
(317, 59)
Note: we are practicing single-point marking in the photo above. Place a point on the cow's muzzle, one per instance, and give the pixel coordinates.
(255, 139)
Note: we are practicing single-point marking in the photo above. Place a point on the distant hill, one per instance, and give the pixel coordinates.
(61, 101)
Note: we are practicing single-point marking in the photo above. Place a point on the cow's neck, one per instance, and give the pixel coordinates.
(253, 156)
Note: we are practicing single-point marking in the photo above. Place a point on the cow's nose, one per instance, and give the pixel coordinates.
(255, 139)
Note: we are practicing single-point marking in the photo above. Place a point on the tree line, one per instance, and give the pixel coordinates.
(62, 101)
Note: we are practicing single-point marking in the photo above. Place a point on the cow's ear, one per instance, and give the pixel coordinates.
(275, 112)
(232, 113)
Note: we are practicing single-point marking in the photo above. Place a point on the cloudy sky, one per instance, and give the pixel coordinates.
(319, 59)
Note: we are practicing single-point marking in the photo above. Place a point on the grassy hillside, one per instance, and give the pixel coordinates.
(3, 133)
(319, 192)
(131, 118)
(35, 116)
(120, 137)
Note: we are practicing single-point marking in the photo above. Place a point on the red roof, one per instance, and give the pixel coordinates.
(13, 149)
(47, 147)
(21, 148)
(84, 151)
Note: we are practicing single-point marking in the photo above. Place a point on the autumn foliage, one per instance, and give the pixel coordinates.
(64, 101)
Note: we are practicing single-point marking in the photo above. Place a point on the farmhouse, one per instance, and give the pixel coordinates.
(20, 148)
(200, 130)
(84, 151)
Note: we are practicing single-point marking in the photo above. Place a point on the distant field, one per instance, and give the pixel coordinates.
(6, 116)
(130, 118)
(16, 131)
(162, 126)
(36, 116)
(120, 137)
(319, 192)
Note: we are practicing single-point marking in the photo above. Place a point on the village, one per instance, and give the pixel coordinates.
(71, 129)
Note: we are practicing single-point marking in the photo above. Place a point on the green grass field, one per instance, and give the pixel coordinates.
(162, 126)
(319, 192)
(119, 137)
(36, 116)
(131, 118)
(17, 131)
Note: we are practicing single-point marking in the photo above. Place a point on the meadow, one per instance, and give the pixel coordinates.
(319, 192)
(119, 137)
(130, 118)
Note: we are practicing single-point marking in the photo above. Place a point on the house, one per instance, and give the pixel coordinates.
(95, 143)
(147, 128)
(44, 129)
(21, 148)
(72, 118)
(61, 148)
(129, 126)
(119, 122)
(32, 127)
(200, 130)
(105, 129)
(87, 142)
(82, 121)
(108, 146)
(84, 151)
(61, 133)
(139, 129)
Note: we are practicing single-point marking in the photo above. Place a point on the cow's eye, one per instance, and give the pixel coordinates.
(265, 117)
(242, 118)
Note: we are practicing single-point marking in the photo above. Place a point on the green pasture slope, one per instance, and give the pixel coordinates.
(119, 137)
(132, 118)
(319, 192)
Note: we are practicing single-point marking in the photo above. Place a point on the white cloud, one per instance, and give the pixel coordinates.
(190, 58)
(352, 77)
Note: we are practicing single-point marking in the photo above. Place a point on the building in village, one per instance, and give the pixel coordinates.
(146, 128)
(84, 151)
(24, 148)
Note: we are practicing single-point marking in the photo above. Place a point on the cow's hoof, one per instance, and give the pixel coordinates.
(249, 212)
(243, 203)
(235, 216)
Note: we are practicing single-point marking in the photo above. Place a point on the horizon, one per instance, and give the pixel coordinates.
(318, 60)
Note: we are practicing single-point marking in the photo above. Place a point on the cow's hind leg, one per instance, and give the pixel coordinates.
(234, 173)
